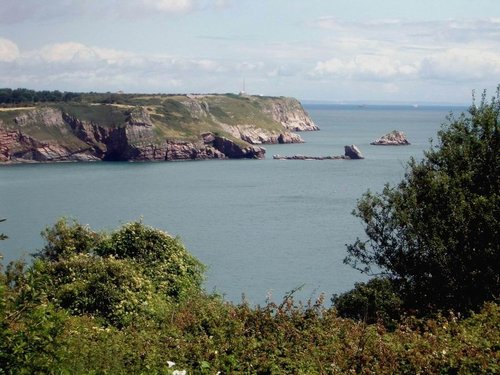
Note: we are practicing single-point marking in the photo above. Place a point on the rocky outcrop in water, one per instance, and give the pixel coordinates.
(351, 153)
(394, 138)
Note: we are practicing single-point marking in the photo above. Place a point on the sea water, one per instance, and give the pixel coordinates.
(263, 227)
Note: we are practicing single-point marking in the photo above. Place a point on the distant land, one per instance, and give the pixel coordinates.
(43, 126)
(385, 103)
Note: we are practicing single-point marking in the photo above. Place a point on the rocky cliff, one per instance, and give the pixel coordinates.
(151, 128)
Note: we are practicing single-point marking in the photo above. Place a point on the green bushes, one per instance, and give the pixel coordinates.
(134, 271)
(130, 301)
(371, 302)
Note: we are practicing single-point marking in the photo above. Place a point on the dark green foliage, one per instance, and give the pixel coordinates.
(374, 301)
(437, 232)
(26, 96)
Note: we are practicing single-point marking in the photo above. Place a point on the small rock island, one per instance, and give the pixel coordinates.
(394, 138)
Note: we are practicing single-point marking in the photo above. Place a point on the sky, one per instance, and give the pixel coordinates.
(413, 51)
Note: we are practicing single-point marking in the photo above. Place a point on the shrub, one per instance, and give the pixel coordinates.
(376, 300)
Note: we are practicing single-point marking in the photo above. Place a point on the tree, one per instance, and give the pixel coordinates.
(436, 234)
(136, 270)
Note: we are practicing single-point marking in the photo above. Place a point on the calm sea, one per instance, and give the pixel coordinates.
(263, 227)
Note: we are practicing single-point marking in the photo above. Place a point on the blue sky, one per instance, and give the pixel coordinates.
(331, 50)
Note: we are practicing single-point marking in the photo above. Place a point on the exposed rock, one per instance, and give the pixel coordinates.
(233, 150)
(352, 152)
(290, 138)
(290, 113)
(50, 117)
(394, 138)
(302, 157)
(258, 136)
(197, 107)
(139, 117)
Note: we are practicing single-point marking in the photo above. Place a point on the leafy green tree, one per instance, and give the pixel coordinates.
(136, 270)
(436, 234)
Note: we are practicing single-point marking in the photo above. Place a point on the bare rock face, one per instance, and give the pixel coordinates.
(139, 117)
(353, 152)
(394, 138)
(233, 150)
(257, 136)
(292, 116)
(50, 117)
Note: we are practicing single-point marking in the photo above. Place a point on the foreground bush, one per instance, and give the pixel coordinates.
(206, 335)
(374, 301)
(130, 302)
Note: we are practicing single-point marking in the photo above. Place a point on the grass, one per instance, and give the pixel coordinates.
(104, 115)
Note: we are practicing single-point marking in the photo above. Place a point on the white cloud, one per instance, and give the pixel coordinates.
(73, 52)
(8, 50)
(15, 11)
(395, 50)
(371, 67)
(168, 5)
(462, 64)
(76, 66)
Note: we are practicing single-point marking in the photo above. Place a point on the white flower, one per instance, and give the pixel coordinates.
(179, 372)
(170, 364)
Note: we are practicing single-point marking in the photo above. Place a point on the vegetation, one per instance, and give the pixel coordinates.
(435, 236)
(26, 97)
(130, 301)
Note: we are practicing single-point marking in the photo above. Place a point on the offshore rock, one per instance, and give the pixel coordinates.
(303, 157)
(353, 152)
(394, 138)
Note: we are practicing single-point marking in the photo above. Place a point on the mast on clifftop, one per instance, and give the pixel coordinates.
(243, 92)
